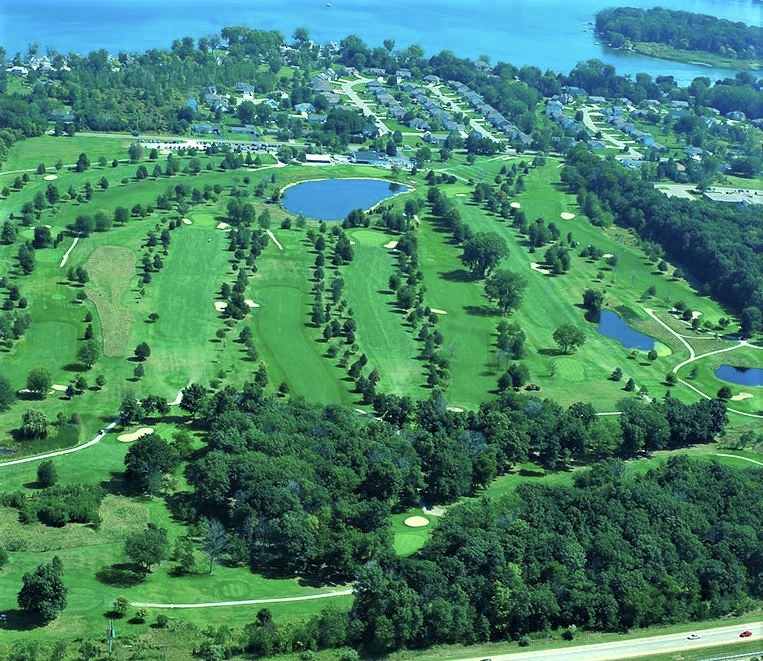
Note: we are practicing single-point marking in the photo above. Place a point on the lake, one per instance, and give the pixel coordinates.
(333, 199)
(611, 325)
(550, 34)
(743, 376)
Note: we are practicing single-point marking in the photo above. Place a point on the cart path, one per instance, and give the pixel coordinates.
(248, 602)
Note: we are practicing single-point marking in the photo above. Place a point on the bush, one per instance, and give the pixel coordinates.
(162, 621)
(524, 641)
(46, 474)
(119, 609)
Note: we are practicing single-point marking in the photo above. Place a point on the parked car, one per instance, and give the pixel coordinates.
(745, 634)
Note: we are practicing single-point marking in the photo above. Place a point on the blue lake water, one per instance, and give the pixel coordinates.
(612, 326)
(743, 376)
(333, 199)
(546, 33)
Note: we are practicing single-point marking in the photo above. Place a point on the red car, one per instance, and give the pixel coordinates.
(745, 634)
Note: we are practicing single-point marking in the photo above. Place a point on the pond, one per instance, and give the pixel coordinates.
(743, 376)
(333, 199)
(611, 325)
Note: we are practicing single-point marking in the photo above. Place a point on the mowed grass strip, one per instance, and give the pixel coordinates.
(286, 343)
(389, 346)
(112, 273)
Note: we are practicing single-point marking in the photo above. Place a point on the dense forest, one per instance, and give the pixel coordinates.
(302, 487)
(682, 30)
(721, 244)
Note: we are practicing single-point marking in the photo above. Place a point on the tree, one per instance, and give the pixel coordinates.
(88, 353)
(148, 547)
(214, 541)
(43, 593)
(593, 299)
(83, 163)
(142, 351)
(7, 394)
(194, 396)
(131, 411)
(569, 337)
(483, 252)
(34, 424)
(147, 460)
(39, 380)
(750, 321)
(616, 375)
(671, 378)
(506, 288)
(724, 394)
(46, 474)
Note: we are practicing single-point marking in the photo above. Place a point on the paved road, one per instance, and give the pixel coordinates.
(58, 453)
(638, 647)
(365, 109)
(247, 602)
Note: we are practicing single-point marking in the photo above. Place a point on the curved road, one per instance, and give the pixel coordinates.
(639, 647)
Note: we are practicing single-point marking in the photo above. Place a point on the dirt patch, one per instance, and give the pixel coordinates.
(111, 270)
(50, 177)
(134, 436)
(416, 522)
(566, 215)
(740, 396)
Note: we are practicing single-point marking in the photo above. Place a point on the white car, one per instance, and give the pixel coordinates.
(695, 636)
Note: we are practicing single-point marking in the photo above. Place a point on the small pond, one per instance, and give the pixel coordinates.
(743, 376)
(611, 325)
(333, 199)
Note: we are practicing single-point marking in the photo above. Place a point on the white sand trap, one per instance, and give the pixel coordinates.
(460, 194)
(438, 311)
(187, 221)
(515, 205)
(455, 409)
(134, 436)
(391, 245)
(537, 267)
(177, 400)
(740, 396)
(695, 314)
(416, 522)
(251, 303)
(50, 177)
(222, 226)
(566, 215)
(220, 305)
(59, 387)
(607, 255)
(352, 243)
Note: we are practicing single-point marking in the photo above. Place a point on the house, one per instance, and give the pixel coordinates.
(62, 116)
(245, 89)
(247, 129)
(18, 71)
(397, 112)
(432, 79)
(694, 152)
(433, 139)
(736, 115)
(683, 105)
(206, 129)
(597, 99)
(403, 74)
(316, 119)
(483, 66)
(305, 108)
(271, 103)
(368, 157)
(596, 145)
(375, 71)
(419, 124)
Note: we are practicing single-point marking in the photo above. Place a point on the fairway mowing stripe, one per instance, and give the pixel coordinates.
(247, 602)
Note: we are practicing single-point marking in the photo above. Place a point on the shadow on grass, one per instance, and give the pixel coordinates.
(123, 575)
(18, 620)
(482, 310)
(457, 275)
(116, 484)
(551, 352)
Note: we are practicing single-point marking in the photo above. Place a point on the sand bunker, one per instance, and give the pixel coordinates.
(566, 215)
(695, 314)
(177, 400)
(460, 194)
(416, 522)
(537, 267)
(515, 205)
(220, 305)
(391, 245)
(435, 511)
(455, 409)
(251, 303)
(437, 311)
(187, 221)
(134, 436)
(59, 387)
(50, 177)
(607, 255)
(740, 396)
(222, 226)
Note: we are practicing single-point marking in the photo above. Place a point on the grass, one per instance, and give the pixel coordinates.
(29, 153)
